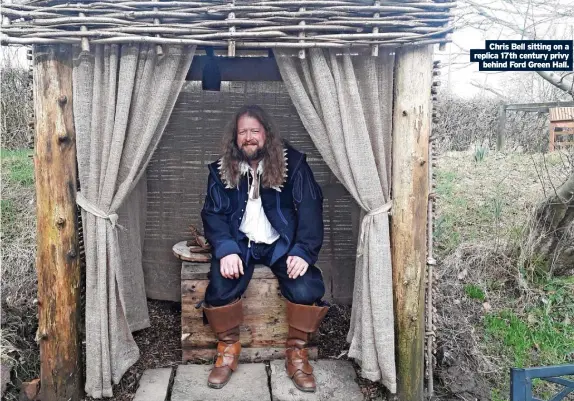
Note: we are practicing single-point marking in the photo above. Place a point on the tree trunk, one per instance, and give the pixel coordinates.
(411, 130)
(550, 243)
(57, 258)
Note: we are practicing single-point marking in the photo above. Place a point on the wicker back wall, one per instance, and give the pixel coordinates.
(177, 180)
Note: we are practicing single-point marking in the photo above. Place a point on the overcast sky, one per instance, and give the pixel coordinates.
(459, 74)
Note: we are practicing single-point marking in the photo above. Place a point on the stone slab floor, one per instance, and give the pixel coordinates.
(336, 381)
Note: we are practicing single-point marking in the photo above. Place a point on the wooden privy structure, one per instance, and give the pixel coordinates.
(559, 112)
(244, 47)
(561, 128)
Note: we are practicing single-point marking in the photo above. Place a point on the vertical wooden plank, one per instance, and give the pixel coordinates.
(568, 132)
(501, 126)
(57, 260)
(552, 137)
(518, 384)
(411, 129)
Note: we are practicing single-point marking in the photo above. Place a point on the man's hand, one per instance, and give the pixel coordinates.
(296, 266)
(231, 266)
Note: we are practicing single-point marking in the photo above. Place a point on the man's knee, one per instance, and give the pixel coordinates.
(216, 300)
(221, 293)
(300, 297)
(299, 291)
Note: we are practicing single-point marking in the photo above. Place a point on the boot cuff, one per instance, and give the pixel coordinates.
(306, 318)
(226, 317)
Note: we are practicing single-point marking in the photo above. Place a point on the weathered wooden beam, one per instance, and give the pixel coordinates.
(237, 68)
(410, 183)
(537, 107)
(57, 259)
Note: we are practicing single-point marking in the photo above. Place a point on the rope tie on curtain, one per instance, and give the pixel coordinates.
(90, 207)
(383, 209)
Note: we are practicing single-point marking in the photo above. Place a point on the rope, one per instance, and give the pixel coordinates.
(90, 207)
(386, 208)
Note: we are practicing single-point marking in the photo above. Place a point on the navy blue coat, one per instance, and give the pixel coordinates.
(296, 212)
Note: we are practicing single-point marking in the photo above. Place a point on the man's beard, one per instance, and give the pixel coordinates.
(257, 154)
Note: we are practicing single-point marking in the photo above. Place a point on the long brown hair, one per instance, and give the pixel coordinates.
(274, 165)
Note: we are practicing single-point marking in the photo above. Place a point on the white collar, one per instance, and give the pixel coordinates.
(245, 167)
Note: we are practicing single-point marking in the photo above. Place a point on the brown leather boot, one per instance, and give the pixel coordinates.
(303, 321)
(225, 321)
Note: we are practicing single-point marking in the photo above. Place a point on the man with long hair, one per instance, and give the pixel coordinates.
(263, 205)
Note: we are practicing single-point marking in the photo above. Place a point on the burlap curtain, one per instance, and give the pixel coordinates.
(123, 97)
(345, 103)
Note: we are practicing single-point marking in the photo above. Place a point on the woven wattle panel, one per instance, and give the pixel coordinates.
(297, 24)
(177, 180)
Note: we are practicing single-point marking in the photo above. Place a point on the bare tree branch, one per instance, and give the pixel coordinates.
(526, 18)
(490, 89)
(562, 82)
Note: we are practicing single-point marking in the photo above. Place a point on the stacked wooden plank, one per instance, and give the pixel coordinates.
(264, 328)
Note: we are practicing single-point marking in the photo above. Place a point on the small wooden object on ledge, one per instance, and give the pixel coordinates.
(193, 248)
(184, 252)
(198, 239)
(197, 249)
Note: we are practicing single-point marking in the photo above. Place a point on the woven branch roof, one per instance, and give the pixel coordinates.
(297, 24)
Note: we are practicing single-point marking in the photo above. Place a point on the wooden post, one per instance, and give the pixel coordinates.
(411, 130)
(552, 141)
(501, 127)
(57, 260)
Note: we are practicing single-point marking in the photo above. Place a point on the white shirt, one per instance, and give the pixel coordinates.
(255, 224)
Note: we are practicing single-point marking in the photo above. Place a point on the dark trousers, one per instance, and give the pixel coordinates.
(306, 289)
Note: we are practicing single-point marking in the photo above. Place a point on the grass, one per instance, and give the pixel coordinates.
(473, 197)
(20, 166)
(8, 213)
(18, 285)
(446, 234)
(17, 178)
(474, 292)
(541, 335)
(487, 321)
(9, 218)
(462, 215)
